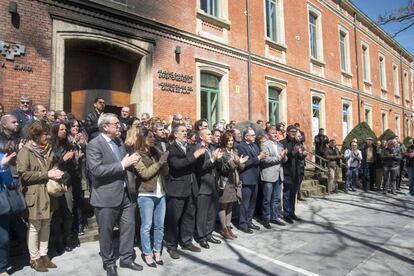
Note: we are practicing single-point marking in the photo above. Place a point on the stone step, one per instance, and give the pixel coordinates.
(309, 183)
(318, 190)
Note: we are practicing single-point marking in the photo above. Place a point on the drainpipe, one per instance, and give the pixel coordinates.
(249, 62)
(357, 68)
(402, 96)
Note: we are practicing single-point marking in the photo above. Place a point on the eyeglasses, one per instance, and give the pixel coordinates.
(101, 102)
(115, 124)
(25, 102)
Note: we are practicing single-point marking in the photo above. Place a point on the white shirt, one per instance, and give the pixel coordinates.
(109, 140)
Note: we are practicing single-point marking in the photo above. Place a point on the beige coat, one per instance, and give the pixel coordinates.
(34, 177)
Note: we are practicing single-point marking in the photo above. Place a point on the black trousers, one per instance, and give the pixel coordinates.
(369, 171)
(180, 221)
(247, 205)
(206, 216)
(289, 198)
(107, 218)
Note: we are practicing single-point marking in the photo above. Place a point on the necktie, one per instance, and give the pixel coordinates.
(115, 149)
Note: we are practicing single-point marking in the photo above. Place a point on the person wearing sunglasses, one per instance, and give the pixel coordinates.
(24, 112)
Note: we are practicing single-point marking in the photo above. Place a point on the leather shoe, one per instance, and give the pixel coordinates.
(254, 227)
(213, 240)
(288, 220)
(267, 225)
(294, 217)
(277, 222)
(152, 264)
(111, 271)
(204, 244)
(191, 247)
(246, 230)
(173, 254)
(132, 265)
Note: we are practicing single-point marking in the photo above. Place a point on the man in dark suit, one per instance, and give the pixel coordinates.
(91, 120)
(106, 163)
(292, 173)
(182, 192)
(249, 178)
(207, 200)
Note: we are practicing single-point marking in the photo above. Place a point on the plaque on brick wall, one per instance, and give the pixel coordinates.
(175, 82)
(10, 51)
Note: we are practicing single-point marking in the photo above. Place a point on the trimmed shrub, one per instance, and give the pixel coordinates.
(362, 131)
(406, 141)
(387, 135)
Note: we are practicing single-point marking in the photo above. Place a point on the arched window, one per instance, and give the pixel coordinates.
(210, 98)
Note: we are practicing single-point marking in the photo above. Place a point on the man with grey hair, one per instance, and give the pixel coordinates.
(39, 114)
(125, 120)
(182, 191)
(145, 117)
(107, 161)
(24, 112)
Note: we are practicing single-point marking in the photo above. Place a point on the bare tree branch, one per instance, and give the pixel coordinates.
(403, 29)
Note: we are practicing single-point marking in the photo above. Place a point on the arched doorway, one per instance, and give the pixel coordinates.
(97, 69)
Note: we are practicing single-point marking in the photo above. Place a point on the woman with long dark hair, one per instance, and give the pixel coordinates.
(63, 218)
(77, 141)
(229, 182)
(151, 169)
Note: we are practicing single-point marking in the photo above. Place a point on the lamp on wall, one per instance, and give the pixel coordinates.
(177, 53)
(13, 7)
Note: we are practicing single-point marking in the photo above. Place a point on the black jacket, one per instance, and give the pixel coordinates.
(250, 174)
(364, 150)
(91, 125)
(22, 117)
(321, 141)
(206, 174)
(292, 167)
(182, 181)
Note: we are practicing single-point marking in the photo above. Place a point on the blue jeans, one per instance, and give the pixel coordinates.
(151, 207)
(351, 178)
(271, 200)
(410, 180)
(4, 242)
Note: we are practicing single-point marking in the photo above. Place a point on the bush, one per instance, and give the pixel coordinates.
(406, 141)
(362, 131)
(387, 135)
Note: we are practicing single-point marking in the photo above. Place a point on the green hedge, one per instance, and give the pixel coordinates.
(387, 135)
(406, 141)
(362, 131)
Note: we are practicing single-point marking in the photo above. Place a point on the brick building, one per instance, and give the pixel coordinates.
(322, 63)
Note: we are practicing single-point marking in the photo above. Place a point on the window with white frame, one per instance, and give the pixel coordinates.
(395, 80)
(366, 63)
(274, 20)
(384, 120)
(368, 116)
(344, 50)
(315, 33)
(346, 118)
(406, 86)
(382, 72)
(211, 7)
(397, 125)
(274, 104)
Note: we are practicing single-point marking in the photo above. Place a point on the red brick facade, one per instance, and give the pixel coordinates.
(221, 44)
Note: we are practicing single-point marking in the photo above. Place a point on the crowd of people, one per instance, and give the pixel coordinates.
(163, 182)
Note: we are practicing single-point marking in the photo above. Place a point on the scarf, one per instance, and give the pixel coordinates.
(41, 150)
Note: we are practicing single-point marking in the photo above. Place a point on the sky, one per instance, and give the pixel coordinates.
(375, 8)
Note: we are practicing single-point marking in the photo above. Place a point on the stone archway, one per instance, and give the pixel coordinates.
(105, 54)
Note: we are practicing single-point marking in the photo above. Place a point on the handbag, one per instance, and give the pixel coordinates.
(222, 182)
(53, 187)
(11, 201)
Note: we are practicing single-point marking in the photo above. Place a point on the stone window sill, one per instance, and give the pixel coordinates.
(276, 45)
(347, 75)
(317, 62)
(223, 23)
(368, 83)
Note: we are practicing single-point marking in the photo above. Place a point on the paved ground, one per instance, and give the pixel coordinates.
(342, 234)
